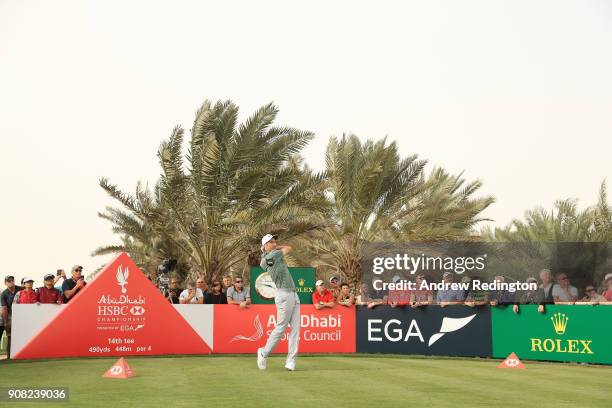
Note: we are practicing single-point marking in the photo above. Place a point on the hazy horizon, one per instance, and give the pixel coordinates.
(517, 94)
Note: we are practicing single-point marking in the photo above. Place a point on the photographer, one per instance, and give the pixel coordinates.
(72, 286)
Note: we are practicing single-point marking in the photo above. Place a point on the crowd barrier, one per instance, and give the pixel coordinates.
(564, 333)
(121, 313)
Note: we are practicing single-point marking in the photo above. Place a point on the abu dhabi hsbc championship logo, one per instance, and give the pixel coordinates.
(122, 278)
(255, 336)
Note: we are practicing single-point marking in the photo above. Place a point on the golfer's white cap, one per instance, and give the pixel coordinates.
(267, 237)
(608, 276)
(27, 279)
(319, 283)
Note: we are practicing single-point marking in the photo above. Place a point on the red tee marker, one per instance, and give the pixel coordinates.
(120, 369)
(512, 361)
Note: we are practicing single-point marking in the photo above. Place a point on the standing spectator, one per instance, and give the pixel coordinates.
(48, 293)
(72, 286)
(191, 295)
(591, 296)
(398, 297)
(334, 286)
(526, 297)
(449, 296)
(27, 295)
(547, 286)
(501, 297)
(608, 285)
(202, 285)
(322, 297)
(421, 297)
(227, 283)
(6, 301)
(216, 296)
(60, 275)
(365, 299)
(563, 292)
(345, 298)
(238, 294)
(174, 291)
(476, 297)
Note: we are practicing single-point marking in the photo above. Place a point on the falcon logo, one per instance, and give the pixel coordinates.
(450, 324)
(255, 336)
(122, 277)
(137, 310)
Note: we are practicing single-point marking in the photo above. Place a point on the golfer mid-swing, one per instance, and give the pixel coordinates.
(286, 299)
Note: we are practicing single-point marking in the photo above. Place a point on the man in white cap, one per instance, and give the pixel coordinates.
(286, 299)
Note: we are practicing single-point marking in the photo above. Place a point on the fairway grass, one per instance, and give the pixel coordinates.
(346, 381)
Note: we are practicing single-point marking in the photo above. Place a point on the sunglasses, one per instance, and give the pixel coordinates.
(238, 281)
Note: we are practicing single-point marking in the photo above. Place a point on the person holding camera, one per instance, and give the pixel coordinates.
(191, 295)
(72, 286)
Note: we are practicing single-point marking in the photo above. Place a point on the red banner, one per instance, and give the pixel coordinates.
(245, 330)
(120, 312)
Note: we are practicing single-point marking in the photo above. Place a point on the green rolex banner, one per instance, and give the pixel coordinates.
(263, 288)
(564, 333)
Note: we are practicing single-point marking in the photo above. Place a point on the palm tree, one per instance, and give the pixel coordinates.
(376, 195)
(564, 223)
(235, 183)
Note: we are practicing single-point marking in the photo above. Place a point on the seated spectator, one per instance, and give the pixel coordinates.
(216, 296)
(191, 295)
(227, 283)
(174, 291)
(563, 292)
(48, 293)
(591, 296)
(72, 286)
(501, 297)
(476, 297)
(238, 294)
(334, 286)
(27, 295)
(322, 297)
(365, 299)
(608, 285)
(345, 298)
(449, 296)
(398, 297)
(202, 285)
(526, 297)
(420, 297)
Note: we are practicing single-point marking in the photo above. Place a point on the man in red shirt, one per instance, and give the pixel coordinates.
(322, 297)
(48, 293)
(27, 294)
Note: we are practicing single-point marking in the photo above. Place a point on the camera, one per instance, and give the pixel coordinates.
(163, 280)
